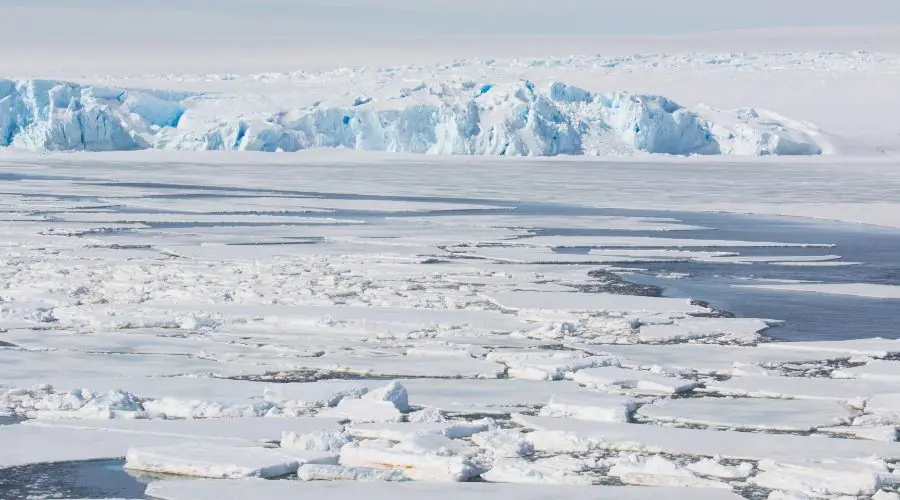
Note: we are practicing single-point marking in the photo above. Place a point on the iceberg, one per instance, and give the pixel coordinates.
(448, 118)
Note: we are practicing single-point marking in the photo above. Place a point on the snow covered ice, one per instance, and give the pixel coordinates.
(375, 316)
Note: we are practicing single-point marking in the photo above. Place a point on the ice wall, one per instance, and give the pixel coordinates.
(515, 119)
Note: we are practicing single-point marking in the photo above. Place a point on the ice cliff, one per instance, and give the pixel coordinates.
(460, 118)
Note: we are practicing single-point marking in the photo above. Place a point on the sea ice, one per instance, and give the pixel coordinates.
(324, 472)
(418, 466)
(825, 476)
(322, 440)
(556, 470)
(453, 429)
(561, 435)
(887, 371)
(635, 382)
(359, 410)
(658, 471)
(591, 405)
(749, 413)
(504, 443)
(221, 461)
(712, 468)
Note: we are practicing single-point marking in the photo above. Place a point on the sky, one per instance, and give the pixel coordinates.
(139, 20)
(255, 35)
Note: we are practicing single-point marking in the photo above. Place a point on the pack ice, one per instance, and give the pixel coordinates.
(445, 117)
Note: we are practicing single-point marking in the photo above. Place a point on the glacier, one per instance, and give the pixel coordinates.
(444, 117)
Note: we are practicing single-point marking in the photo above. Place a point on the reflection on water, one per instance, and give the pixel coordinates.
(86, 479)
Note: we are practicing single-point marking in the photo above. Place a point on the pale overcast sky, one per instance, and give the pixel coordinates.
(258, 35)
(294, 19)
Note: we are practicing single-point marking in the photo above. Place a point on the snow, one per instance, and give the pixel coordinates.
(556, 470)
(658, 471)
(825, 477)
(220, 461)
(874, 370)
(562, 301)
(746, 413)
(453, 429)
(712, 359)
(320, 472)
(485, 396)
(591, 406)
(873, 291)
(283, 490)
(504, 443)
(712, 468)
(242, 429)
(314, 441)
(421, 466)
(512, 118)
(537, 365)
(570, 435)
(200, 308)
(853, 392)
(633, 381)
(358, 410)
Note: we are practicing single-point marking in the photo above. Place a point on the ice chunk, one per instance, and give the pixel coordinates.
(418, 466)
(221, 461)
(748, 413)
(436, 444)
(825, 476)
(876, 370)
(394, 393)
(314, 441)
(546, 365)
(634, 381)
(712, 468)
(560, 91)
(569, 435)
(453, 429)
(658, 471)
(504, 443)
(359, 410)
(317, 472)
(555, 470)
(591, 406)
(853, 392)
(874, 432)
(247, 429)
(426, 415)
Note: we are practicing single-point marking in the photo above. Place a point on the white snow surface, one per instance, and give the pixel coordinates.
(221, 461)
(748, 413)
(285, 490)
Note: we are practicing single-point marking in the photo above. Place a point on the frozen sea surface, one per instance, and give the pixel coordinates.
(432, 338)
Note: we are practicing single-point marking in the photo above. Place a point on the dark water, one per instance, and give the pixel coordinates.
(87, 479)
(807, 316)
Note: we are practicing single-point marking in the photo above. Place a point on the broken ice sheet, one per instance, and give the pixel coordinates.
(749, 413)
(215, 460)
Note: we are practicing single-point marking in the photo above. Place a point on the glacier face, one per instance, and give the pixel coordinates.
(456, 117)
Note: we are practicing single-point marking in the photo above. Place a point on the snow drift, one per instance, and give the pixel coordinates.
(458, 118)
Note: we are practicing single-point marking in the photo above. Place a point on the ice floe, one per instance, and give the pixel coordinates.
(221, 461)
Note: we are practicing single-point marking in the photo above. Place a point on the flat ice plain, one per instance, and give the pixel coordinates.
(178, 323)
